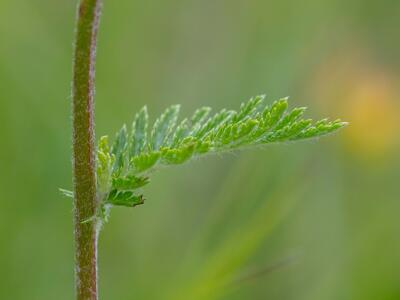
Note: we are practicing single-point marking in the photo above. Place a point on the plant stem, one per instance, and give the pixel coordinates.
(84, 165)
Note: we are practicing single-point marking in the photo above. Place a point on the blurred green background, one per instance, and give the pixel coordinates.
(312, 220)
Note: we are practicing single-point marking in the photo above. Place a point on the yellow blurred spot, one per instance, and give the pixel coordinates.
(352, 86)
(374, 116)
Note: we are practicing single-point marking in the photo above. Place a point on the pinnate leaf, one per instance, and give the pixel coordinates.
(124, 168)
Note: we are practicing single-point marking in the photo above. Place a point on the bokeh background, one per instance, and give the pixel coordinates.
(308, 221)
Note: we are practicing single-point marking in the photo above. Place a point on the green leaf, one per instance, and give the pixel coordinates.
(211, 124)
(198, 118)
(177, 156)
(119, 170)
(139, 133)
(291, 117)
(124, 198)
(248, 109)
(129, 182)
(273, 115)
(119, 148)
(163, 128)
(182, 130)
(144, 161)
(105, 162)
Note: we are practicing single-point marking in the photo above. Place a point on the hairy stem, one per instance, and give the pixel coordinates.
(84, 165)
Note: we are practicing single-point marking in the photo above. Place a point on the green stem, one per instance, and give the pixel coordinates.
(84, 165)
